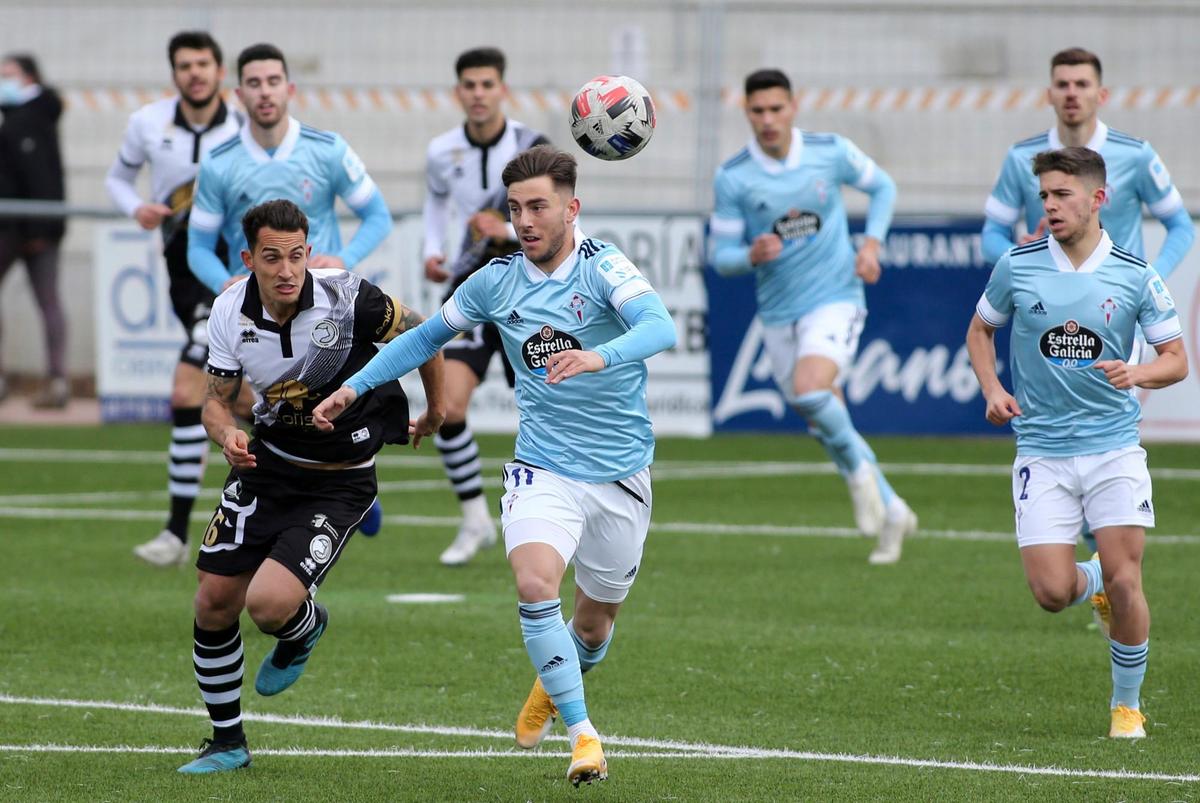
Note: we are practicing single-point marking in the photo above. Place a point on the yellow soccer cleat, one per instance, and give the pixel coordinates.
(536, 717)
(1102, 612)
(1127, 723)
(587, 761)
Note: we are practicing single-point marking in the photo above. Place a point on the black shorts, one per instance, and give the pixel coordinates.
(190, 299)
(476, 347)
(300, 517)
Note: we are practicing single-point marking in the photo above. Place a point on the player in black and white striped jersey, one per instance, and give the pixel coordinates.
(294, 495)
(466, 203)
(171, 135)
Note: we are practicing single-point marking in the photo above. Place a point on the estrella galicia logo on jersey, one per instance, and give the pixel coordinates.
(797, 225)
(537, 350)
(325, 333)
(321, 548)
(1071, 345)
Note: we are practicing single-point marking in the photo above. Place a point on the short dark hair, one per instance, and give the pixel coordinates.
(28, 65)
(480, 57)
(1074, 161)
(541, 160)
(767, 79)
(280, 215)
(260, 52)
(193, 40)
(1077, 55)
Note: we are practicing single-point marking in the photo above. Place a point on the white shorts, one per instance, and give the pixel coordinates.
(1054, 495)
(601, 525)
(830, 331)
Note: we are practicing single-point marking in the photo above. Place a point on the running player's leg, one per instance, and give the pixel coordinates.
(465, 366)
(1119, 504)
(188, 449)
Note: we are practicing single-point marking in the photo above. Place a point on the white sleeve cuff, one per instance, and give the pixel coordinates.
(203, 219)
(866, 179)
(629, 290)
(1163, 331)
(454, 318)
(1168, 205)
(726, 226)
(1000, 212)
(991, 316)
(361, 194)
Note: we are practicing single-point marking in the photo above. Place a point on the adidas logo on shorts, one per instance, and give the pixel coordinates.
(1144, 507)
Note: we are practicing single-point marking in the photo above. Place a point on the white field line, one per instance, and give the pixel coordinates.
(662, 469)
(686, 749)
(398, 752)
(667, 527)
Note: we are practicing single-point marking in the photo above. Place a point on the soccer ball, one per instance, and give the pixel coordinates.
(612, 117)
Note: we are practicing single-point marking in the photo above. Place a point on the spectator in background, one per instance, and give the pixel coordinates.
(31, 168)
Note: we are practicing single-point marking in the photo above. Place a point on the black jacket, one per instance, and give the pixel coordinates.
(31, 162)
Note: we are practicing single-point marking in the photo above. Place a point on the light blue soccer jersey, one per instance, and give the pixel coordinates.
(310, 168)
(800, 199)
(1064, 321)
(594, 426)
(1136, 176)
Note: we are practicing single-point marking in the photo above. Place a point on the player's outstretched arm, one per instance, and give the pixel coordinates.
(217, 417)
(981, 346)
(651, 330)
(408, 351)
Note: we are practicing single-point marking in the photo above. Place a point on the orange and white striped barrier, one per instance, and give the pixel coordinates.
(977, 98)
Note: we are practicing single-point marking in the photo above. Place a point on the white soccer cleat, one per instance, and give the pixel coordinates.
(164, 549)
(868, 504)
(900, 523)
(472, 536)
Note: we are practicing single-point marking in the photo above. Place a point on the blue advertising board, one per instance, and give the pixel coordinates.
(911, 374)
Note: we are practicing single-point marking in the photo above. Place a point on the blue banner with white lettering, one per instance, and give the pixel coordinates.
(911, 374)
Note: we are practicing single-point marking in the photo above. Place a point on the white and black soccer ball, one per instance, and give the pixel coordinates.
(612, 117)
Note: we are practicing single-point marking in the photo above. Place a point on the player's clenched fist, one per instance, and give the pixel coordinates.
(333, 406)
(1002, 408)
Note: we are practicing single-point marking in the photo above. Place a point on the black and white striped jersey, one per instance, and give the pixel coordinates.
(157, 134)
(294, 365)
(462, 177)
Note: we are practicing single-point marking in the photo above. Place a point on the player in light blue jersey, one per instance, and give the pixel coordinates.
(572, 308)
(779, 214)
(1136, 174)
(275, 156)
(1075, 301)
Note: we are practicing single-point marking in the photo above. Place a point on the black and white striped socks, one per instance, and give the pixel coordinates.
(189, 445)
(460, 456)
(217, 659)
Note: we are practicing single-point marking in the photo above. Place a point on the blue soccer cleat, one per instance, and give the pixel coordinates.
(218, 757)
(272, 678)
(372, 523)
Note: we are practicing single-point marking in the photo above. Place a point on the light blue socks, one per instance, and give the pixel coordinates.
(554, 656)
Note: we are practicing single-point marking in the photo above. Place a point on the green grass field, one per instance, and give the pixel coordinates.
(759, 656)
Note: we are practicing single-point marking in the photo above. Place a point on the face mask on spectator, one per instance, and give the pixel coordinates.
(11, 92)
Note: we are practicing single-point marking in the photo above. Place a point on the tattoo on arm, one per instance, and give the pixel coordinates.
(224, 389)
(408, 319)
